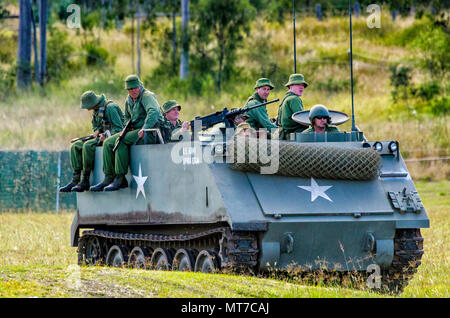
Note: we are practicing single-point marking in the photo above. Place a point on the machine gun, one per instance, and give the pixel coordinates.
(128, 127)
(225, 116)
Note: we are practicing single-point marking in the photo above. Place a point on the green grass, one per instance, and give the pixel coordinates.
(36, 260)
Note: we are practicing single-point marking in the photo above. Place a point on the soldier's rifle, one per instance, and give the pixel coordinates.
(225, 116)
(92, 136)
(83, 139)
(125, 130)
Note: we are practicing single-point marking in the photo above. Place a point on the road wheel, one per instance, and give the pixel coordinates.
(207, 262)
(184, 260)
(140, 257)
(162, 259)
(117, 256)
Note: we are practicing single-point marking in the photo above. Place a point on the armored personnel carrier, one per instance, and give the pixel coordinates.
(330, 202)
(333, 202)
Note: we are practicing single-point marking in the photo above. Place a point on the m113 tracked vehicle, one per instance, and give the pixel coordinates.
(330, 201)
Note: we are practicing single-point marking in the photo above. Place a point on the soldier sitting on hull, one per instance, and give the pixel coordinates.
(144, 112)
(320, 120)
(172, 127)
(258, 117)
(107, 118)
(291, 104)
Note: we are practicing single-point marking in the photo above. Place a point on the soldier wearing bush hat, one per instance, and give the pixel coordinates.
(107, 119)
(258, 118)
(320, 120)
(172, 127)
(291, 104)
(144, 112)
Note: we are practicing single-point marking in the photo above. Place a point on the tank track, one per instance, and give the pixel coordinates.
(238, 251)
(235, 250)
(408, 251)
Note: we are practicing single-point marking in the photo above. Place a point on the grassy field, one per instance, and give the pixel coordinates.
(36, 260)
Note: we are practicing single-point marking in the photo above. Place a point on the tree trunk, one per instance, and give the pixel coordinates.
(174, 43)
(184, 60)
(138, 46)
(36, 60)
(24, 45)
(43, 9)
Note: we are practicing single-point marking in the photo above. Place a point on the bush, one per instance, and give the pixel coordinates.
(427, 91)
(440, 106)
(8, 39)
(97, 55)
(59, 51)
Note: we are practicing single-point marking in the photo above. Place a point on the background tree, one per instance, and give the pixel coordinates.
(222, 23)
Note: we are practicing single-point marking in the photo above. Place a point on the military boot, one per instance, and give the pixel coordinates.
(99, 187)
(75, 179)
(119, 182)
(84, 183)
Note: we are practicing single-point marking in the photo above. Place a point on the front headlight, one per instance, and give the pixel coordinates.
(378, 146)
(393, 146)
(218, 149)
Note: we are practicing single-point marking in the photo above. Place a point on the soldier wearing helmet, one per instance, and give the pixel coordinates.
(144, 112)
(320, 120)
(107, 119)
(258, 117)
(173, 128)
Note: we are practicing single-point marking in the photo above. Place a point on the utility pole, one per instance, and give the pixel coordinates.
(184, 60)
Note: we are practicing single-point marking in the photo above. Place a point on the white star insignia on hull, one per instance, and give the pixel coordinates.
(316, 190)
(140, 180)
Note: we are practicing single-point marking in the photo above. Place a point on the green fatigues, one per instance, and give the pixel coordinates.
(171, 132)
(291, 104)
(109, 116)
(329, 129)
(258, 117)
(144, 113)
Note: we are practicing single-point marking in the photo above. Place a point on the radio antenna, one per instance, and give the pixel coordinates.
(351, 63)
(293, 21)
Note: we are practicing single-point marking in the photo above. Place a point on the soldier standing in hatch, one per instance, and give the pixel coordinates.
(172, 126)
(142, 108)
(320, 121)
(291, 104)
(258, 117)
(107, 119)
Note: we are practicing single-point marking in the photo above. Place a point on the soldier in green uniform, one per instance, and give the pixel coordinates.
(107, 119)
(291, 104)
(320, 121)
(258, 117)
(142, 108)
(173, 127)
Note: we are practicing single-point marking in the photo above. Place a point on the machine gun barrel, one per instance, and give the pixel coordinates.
(225, 116)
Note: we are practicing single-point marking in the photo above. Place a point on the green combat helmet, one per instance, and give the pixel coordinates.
(169, 105)
(89, 99)
(296, 79)
(318, 111)
(264, 82)
(132, 81)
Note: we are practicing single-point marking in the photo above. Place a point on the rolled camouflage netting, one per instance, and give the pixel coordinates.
(305, 160)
